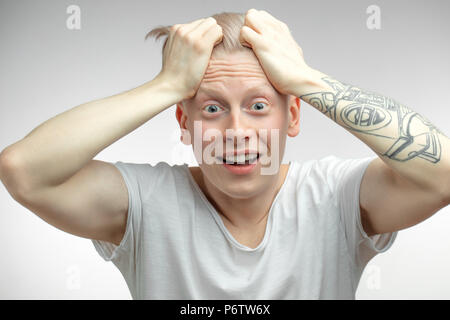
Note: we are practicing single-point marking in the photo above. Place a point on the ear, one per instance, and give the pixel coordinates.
(181, 118)
(294, 116)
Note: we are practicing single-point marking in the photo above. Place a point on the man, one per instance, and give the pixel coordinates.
(235, 228)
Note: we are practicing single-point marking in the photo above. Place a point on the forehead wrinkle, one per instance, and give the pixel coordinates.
(243, 64)
(248, 89)
(215, 77)
(239, 64)
(247, 69)
(250, 60)
(215, 64)
(234, 68)
(235, 71)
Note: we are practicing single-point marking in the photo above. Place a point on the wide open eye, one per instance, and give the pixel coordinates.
(260, 106)
(212, 108)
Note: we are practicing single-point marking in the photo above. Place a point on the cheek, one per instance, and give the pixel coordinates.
(273, 129)
(207, 140)
(207, 133)
(210, 134)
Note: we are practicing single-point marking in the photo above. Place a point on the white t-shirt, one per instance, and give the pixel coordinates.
(176, 245)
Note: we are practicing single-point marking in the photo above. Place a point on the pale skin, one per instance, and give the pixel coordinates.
(51, 171)
(242, 201)
(410, 180)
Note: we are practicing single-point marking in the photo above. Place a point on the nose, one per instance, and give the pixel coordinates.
(238, 128)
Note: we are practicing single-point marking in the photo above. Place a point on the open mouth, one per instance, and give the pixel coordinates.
(240, 159)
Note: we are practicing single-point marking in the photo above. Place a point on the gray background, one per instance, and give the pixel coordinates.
(47, 69)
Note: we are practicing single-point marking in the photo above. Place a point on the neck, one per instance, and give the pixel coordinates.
(244, 213)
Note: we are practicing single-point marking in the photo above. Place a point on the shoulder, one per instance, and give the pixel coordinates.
(160, 167)
(147, 176)
(333, 166)
(330, 171)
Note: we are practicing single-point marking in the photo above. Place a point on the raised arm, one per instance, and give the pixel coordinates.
(58, 148)
(51, 171)
(411, 178)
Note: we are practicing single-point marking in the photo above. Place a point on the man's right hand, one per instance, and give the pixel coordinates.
(51, 171)
(187, 53)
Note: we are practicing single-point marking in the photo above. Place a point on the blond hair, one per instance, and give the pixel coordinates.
(231, 23)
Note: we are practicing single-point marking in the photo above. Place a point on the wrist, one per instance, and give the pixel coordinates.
(175, 86)
(168, 85)
(310, 80)
(157, 94)
(165, 88)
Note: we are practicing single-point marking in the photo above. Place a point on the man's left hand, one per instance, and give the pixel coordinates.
(278, 53)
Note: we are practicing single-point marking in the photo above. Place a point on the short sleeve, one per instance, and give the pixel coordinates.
(126, 251)
(344, 177)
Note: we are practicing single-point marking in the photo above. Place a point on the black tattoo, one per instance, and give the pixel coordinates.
(369, 113)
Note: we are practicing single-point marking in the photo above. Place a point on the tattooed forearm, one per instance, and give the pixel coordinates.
(374, 114)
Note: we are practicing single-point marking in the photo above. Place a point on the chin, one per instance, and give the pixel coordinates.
(242, 189)
(240, 186)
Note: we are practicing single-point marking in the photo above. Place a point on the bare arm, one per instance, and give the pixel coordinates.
(51, 171)
(58, 148)
(411, 178)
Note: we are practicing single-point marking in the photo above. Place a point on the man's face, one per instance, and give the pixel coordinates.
(237, 110)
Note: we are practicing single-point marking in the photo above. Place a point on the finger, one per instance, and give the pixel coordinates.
(204, 27)
(269, 17)
(261, 21)
(193, 25)
(274, 21)
(210, 30)
(249, 37)
(214, 34)
(186, 28)
(220, 37)
(254, 21)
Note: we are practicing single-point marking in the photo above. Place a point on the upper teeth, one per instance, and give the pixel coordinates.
(241, 158)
